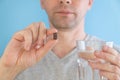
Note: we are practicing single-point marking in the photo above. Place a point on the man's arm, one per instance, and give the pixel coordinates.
(7, 74)
(25, 49)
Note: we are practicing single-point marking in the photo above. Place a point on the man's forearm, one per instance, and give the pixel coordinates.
(8, 74)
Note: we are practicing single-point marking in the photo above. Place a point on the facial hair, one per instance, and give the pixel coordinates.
(67, 22)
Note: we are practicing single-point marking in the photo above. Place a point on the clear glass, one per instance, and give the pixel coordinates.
(82, 69)
(83, 48)
(82, 64)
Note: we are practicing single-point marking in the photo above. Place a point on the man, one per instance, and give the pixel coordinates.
(32, 54)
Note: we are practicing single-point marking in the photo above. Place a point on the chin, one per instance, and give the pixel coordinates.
(69, 28)
(64, 25)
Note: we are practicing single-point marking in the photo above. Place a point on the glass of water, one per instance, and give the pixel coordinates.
(87, 48)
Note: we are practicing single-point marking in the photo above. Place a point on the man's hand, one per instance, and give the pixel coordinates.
(111, 67)
(26, 48)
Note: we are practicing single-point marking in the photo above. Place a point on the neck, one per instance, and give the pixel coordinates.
(67, 40)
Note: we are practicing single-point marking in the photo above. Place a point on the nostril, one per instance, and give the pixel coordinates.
(67, 2)
(64, 1)
(61, 2)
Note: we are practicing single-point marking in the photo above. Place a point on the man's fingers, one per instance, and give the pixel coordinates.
(107, 70)
(44, 50)
(108, 57)
(35, 34)
(24, 36)
(105, 67)
(110, 50)
(35, 29)
(110, 76)
(28, 39)
(51, 31)
(42, 33)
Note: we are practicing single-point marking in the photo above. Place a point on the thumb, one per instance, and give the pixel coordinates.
(41, 52)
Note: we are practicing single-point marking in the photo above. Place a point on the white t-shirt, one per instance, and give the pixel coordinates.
(52, 67)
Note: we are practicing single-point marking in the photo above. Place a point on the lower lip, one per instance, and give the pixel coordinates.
(64, 13)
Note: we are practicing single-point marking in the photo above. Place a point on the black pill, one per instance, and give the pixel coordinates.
(55, 36)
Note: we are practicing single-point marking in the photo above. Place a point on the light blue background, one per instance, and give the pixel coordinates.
(103, 20)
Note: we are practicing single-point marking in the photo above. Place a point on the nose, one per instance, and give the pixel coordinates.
(65, 1)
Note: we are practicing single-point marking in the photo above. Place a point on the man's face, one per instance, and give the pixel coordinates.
(66, 14)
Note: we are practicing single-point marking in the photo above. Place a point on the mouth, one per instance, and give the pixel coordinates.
(64, 12)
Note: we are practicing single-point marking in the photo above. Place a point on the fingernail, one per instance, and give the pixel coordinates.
(38, 46)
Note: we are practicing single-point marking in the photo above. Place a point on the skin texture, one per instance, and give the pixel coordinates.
(25, 49)
(67, 17)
